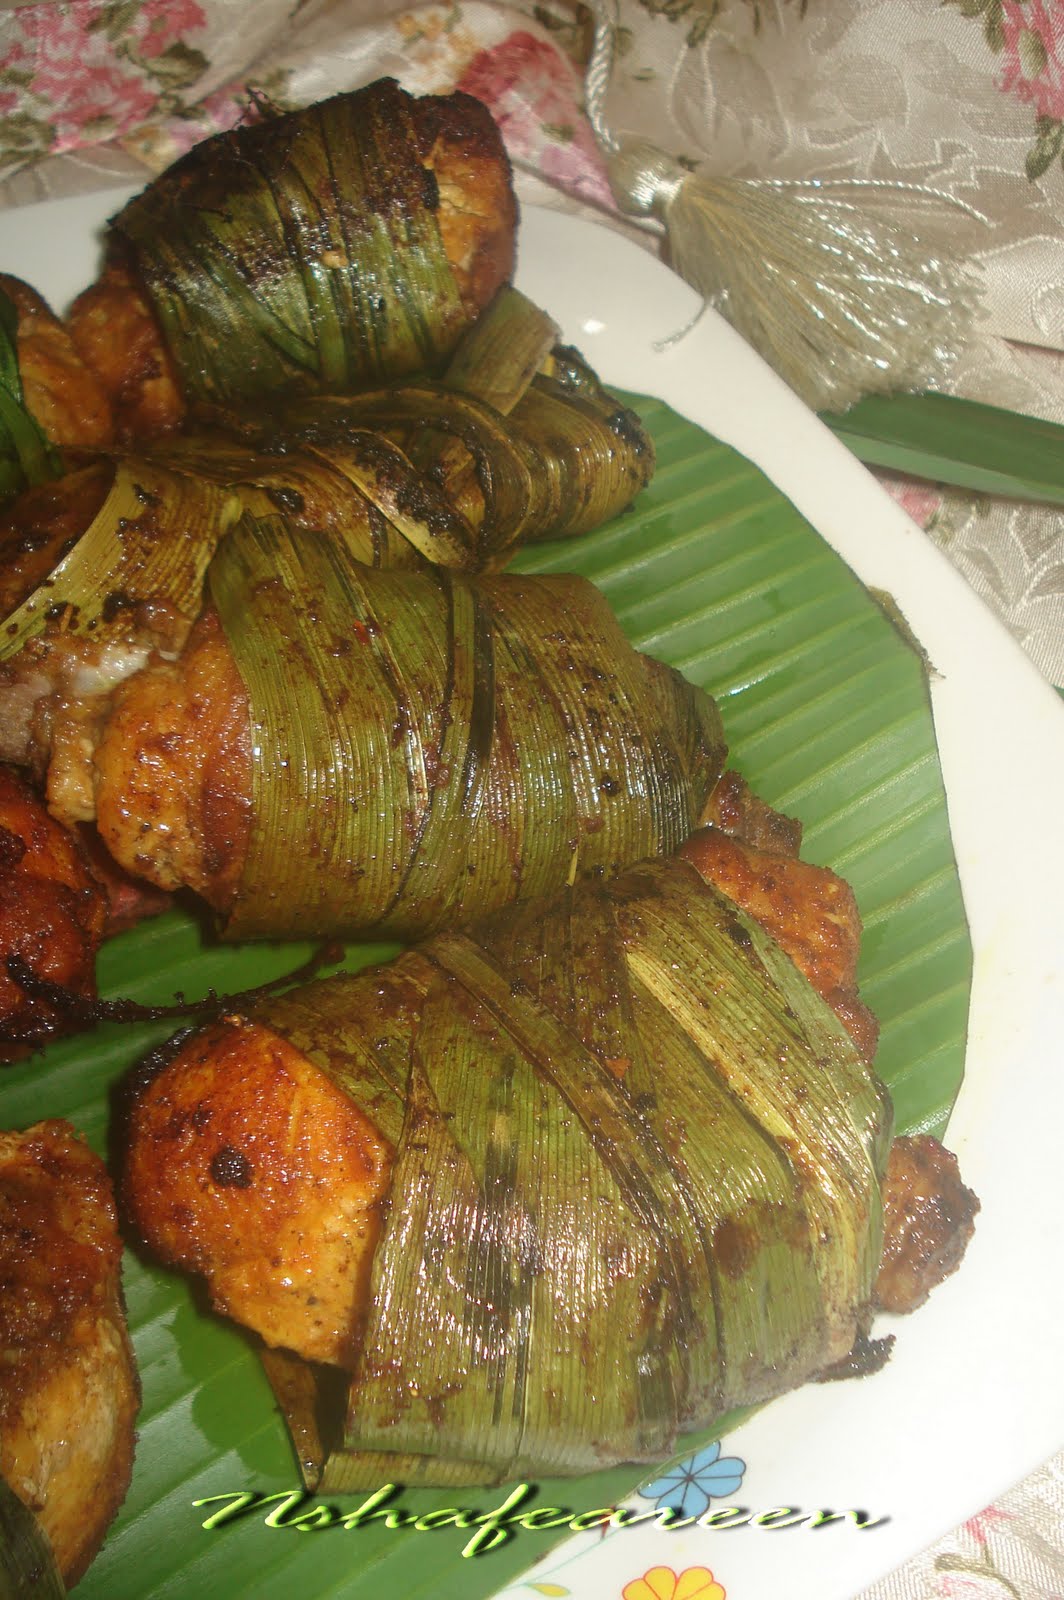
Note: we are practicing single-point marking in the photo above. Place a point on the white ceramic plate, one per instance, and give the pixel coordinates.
(972, 1399)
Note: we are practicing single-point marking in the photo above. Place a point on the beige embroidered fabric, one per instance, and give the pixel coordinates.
(962, 97)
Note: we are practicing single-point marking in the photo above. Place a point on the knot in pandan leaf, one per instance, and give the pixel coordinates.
(644, 179)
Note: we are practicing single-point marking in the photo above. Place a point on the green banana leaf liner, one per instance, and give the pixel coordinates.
(151, 540)
(636, 1185)
(27, 1565)
(395, 713)
(302, 252)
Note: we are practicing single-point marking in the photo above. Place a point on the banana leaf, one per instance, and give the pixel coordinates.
(708, 1218)
(26, 457)
(393, 712)
(302, 252)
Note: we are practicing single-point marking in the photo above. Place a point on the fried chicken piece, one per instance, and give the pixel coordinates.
(173, 770)
(52, 914)
(115, 333)
(735, 809)
(60, 390)
(274, 1180)
(41, 525)
(477, 213)
(928, 1218)
(129, 900)
(68, 1386)
(811, 914)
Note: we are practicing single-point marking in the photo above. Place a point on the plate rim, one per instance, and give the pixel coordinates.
(620, 303)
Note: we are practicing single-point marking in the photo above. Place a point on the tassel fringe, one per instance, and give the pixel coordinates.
(840, 300)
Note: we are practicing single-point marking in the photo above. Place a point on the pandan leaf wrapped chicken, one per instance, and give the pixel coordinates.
(326, 249)
(550, 1191)
(343, 750)
(107, 564)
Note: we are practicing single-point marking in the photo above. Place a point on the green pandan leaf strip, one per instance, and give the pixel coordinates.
(390, 709)
(958, 442)
(503, 350)
(151, 541)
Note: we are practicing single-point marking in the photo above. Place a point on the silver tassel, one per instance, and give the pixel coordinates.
(841, 300)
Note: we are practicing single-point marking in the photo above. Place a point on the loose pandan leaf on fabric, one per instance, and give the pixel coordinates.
(958, 442)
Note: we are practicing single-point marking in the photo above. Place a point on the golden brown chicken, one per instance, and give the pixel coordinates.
(171, 774)
(61, 895)
(272, 1189)
(60, 390)
(113, 329)
(53, 914)
(930, 1216)
(68, 1386)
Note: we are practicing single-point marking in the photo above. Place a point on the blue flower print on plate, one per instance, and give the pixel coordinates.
(690, 1485)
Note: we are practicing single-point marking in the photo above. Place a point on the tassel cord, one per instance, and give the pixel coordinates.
(840, 300)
